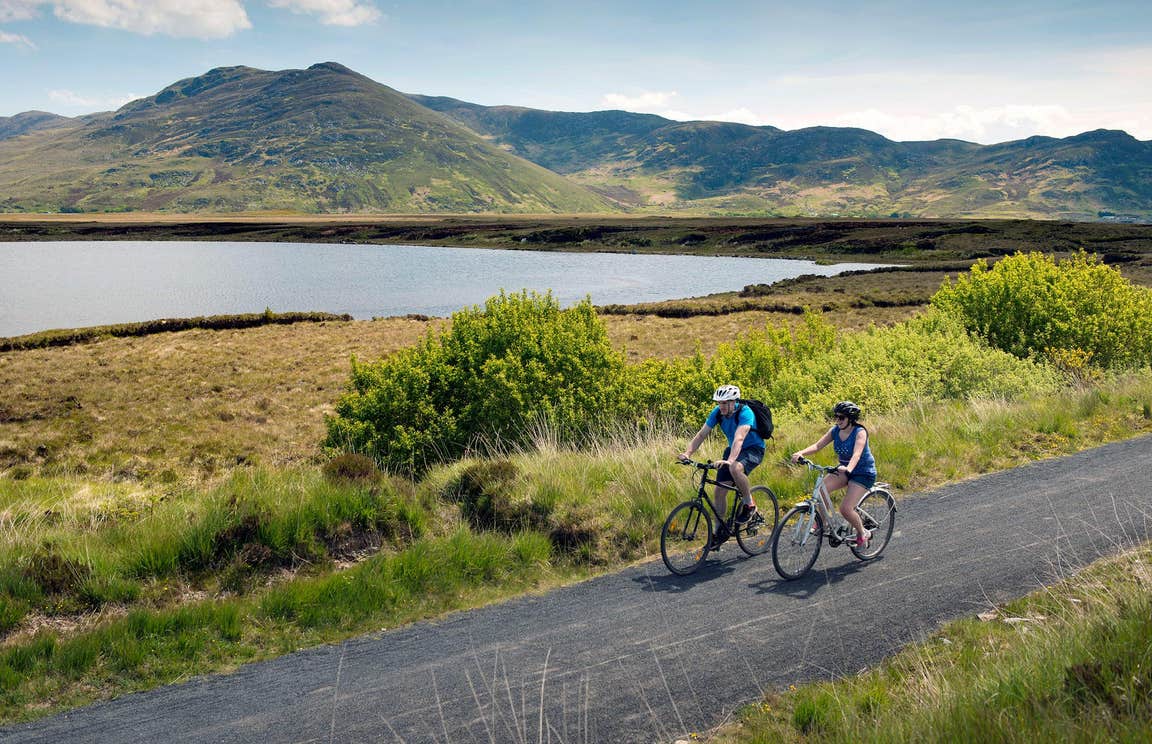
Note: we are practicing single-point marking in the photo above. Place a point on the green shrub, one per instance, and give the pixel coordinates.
(493, 377)
(54, 572)
(1031, 305)
(801, 372)
(523, 361)
(930, 358)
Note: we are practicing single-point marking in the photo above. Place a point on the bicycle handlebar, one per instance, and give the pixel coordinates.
(697, 464)
(814, 466)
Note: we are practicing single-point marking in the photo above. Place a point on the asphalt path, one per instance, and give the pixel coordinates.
(644, 656)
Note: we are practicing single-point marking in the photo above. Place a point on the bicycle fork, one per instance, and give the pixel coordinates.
(805, 528)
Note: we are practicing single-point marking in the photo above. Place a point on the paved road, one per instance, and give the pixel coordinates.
(641, 656)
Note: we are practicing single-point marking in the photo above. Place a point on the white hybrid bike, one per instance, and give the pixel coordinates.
(797, 538)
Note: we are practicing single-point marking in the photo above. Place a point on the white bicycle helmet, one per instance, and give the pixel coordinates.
(726, 392)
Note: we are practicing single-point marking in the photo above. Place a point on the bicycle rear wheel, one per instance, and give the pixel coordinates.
(756, 537)
(796, 542)
(685, 538)
(877, 511)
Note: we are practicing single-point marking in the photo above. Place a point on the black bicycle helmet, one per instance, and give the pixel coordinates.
(847, 408)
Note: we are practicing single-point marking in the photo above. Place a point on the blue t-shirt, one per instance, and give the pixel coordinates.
(742, 416)
(866, 465)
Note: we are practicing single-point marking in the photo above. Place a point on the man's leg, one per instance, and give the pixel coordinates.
(740, 479)
(721, 500)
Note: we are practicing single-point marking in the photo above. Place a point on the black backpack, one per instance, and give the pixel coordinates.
(763, 416)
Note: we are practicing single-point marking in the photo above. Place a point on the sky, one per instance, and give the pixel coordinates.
(976, 70)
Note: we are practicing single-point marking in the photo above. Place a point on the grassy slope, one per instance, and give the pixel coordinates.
(170, 604)
(239, 139)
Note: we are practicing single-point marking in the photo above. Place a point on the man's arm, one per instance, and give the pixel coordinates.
(738, 442)
(705, 430)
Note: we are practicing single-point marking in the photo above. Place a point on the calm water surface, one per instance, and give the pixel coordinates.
(76, 284)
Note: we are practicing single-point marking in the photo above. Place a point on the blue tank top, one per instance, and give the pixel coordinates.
(866, 465)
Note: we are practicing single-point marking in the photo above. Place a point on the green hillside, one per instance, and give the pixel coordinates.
(646, 161)
(324, 139)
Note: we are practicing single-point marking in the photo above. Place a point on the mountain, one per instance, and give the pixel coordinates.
(645, 161)
(30, 121)
(328, 139)
(325, 139)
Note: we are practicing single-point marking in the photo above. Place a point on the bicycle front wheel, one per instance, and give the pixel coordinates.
(877, 511)
(756, 537)
(685, 538)
(796, 541)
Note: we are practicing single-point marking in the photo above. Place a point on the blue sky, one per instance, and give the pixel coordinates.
(977, 70)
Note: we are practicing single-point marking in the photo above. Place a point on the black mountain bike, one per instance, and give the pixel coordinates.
(686, 538)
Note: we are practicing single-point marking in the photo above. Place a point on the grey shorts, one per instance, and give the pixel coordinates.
(749, 457)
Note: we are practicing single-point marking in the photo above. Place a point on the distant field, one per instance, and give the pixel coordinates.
(199, 402)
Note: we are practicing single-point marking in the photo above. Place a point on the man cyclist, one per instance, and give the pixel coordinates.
(744, 452)
(857, 470)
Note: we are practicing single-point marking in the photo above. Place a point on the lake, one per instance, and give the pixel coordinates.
(75, 284)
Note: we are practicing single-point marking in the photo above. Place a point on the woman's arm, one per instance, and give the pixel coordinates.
(816, 446)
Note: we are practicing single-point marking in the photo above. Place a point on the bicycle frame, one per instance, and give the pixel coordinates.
(793, 549)
(836, 527)
(702, 495)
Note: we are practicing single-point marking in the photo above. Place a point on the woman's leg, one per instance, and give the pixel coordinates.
(848, 506)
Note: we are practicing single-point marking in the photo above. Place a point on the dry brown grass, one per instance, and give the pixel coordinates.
(196, 401)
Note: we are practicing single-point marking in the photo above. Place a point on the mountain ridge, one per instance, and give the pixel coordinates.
(329, 139)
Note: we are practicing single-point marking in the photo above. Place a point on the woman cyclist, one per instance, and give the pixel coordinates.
(857, 468)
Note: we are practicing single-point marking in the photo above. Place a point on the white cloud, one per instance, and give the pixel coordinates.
(739, 116)
(72, 100)
(648, 102)
(660, 103)
(1058, 96)
(202, 19)
(7, 38)
(333, 12)
(989, 124)
(18, 10)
